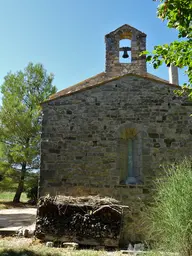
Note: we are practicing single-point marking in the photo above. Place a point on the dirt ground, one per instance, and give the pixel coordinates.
(17, 218)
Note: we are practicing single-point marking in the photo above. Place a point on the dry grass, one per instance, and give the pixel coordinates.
(85, 200)
(11, 246)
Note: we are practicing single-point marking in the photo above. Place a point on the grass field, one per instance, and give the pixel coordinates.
(6, 199)
(6, 196)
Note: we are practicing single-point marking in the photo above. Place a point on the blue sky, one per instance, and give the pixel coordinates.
(67, 36)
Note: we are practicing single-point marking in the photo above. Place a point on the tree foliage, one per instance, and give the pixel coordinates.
(20, 118)
(178, 15)
(8, 175)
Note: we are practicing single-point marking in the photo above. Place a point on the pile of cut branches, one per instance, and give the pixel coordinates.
(87, 220)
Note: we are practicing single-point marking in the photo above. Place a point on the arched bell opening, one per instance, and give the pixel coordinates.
(125, 51)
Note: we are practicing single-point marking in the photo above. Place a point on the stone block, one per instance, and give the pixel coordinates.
(49, 244)
(70, 245)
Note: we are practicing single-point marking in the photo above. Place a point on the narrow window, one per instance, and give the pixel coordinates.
(130, 158)
(131, 168)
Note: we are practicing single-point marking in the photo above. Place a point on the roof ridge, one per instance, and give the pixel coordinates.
(77, 84)
(125, 25)
(76, 88)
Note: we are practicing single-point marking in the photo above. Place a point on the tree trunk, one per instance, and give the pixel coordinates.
(21, 184)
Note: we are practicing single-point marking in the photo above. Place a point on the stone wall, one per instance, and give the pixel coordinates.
(81, 133)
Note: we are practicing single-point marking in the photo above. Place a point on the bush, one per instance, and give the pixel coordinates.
(171, 214)
(32, 194)
(31, 187)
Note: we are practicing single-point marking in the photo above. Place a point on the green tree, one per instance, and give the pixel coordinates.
(20, 118)
(8, 175)
(178, 15)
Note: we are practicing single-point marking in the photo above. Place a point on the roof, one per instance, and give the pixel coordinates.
(100, 79)
(79, 86)
(126, 27)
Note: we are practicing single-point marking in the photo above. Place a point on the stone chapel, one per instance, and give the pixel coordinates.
(110, 134)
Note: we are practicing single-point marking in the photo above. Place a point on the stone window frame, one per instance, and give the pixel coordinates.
(126, 132)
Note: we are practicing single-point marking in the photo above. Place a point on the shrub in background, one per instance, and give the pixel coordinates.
(170, 216)
(32, 194)
(31, 187)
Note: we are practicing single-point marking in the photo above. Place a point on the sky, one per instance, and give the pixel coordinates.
(67, 36)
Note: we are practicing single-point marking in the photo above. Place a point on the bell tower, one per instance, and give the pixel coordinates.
(137, 63)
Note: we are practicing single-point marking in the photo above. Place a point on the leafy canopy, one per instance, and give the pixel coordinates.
(178, 15)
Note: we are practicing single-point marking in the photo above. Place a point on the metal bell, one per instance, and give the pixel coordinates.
(125, 54)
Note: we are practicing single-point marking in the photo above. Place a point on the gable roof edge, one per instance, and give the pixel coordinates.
(107, 81)
(124, 26)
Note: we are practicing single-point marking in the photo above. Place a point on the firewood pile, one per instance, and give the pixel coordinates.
(86, 220)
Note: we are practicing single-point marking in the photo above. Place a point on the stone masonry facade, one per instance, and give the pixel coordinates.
(81, 134)
(86, 129)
